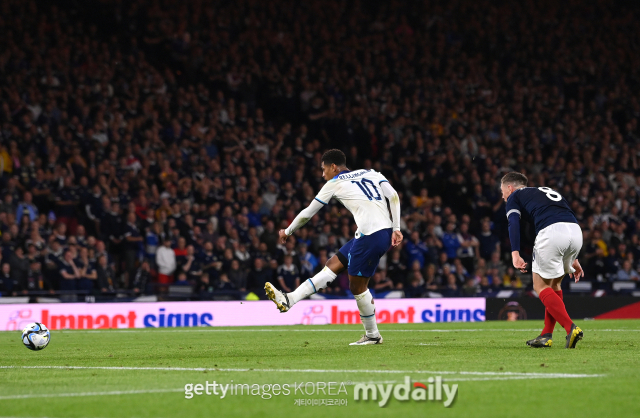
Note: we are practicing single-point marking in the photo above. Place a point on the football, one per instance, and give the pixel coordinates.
(35, 336)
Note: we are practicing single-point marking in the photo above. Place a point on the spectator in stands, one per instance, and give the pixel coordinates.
(205, 289)
(596, 265)
(258, 276)
(105, 275)
(627, 272)
(224, 283)
(470, 288)
(308, 262)
(181, 279)
(180, 249)
(192, 266)
(496, 263)
(612, 262)
(396, 269)
(153, 239)
(381, 282)
(451, 289)
(69, 272)
(511, 279)
(210, 262)
(36, 281)
(496, 282)
(451, 242)
(66, 202)
(142, 278)
(484, 286)
(469, 247)
(19, 268)
(26, 207)
(416, 250)
(415, 285)
(132, 246)
(237, 276)
(432, 281)
(288, 275)
(88, 273)
(8, 205)
(459, 270)
(8, 285)
(166, 262)
(489, 242)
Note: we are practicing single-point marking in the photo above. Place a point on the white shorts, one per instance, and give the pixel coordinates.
(555, 249)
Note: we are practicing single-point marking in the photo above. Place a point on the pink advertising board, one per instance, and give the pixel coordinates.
(234, 313)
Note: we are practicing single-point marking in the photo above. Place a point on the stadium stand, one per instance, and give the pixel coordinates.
(157, 146)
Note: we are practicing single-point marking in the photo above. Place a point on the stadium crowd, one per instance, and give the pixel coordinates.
(149, 143)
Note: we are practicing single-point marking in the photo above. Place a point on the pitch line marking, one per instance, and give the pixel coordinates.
(217, 369)
(206, 329)
(65, 395)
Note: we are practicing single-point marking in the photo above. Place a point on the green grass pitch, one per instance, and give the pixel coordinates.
(142, 373)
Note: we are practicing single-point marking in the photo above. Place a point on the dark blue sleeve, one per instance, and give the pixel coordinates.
(514, 231)
(513, 215)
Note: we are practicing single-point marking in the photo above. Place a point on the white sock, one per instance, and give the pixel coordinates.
(312, 285)
(368, 313)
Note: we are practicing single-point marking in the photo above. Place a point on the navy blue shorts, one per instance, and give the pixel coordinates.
(363, 254)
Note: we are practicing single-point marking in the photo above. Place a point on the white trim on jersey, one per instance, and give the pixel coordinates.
(514, 211)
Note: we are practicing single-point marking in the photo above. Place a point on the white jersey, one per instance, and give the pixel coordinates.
(359, 191)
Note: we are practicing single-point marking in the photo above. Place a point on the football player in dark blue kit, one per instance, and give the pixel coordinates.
(558, 242)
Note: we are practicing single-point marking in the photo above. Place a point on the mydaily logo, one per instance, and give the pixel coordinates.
(432, 391)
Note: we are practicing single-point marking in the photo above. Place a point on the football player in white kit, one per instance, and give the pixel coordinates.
(363, 193)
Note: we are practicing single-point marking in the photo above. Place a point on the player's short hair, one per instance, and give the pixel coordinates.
(517, 179)
(334, 156)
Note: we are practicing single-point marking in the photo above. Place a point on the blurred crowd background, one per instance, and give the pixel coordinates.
(151, 144)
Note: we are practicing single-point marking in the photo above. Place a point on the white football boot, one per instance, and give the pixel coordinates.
(368, 340)
(279, 298)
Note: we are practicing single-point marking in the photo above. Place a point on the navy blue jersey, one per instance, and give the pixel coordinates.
(542, 206)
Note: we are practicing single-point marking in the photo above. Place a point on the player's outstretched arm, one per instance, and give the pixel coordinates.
(394, 203)
(302, 218)
(578, 271)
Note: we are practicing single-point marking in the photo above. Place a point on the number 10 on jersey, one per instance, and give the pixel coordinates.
(365, 189)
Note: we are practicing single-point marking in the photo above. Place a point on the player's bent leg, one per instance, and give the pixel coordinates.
(544, 339)
(364, 299)
(555, 284)
(310, 286)
(555, 305)
(284, 301)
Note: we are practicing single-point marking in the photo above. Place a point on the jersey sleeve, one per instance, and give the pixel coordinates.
(304, 216)
(380, 178)
(513, 206)
(326, 193)
(514, 215)
(394, 202)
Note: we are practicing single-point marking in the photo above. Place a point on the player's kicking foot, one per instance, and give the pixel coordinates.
(541, 341)
(279, 298)
(368, 340)
(574, 336)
